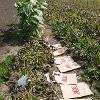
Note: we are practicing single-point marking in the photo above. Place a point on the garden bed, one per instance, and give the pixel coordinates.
(34, 60)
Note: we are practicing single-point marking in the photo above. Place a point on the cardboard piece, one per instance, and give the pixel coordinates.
(66, 63)
(65, 78)
(74, 91)
(59, 51)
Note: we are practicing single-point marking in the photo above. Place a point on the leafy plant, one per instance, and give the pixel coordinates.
(31, 17)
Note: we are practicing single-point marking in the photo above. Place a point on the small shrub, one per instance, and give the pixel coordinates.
(31, 17)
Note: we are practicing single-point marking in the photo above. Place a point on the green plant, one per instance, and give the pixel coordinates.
(31, 17)
(5, 67)
(1, 97)
(35, 54)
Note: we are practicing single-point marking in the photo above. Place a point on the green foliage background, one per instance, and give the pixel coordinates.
(77, 26)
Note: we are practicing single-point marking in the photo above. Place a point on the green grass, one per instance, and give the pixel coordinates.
(86, 4)
(5, 68)
(1, 97)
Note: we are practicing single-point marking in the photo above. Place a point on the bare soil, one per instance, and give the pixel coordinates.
(8, 20)
(78, 72)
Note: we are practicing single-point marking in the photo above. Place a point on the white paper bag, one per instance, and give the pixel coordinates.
(47, 77)
(65, 78)
(57, 46)
(74, 91)
(66, 63)
(68, 67)
(60, 51)
(77, 99)
(63, 59)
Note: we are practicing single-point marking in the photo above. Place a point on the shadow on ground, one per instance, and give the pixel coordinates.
(9, 36)
(9, 41)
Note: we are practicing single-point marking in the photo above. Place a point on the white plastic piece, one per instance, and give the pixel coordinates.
(33, 2)
(22, 81)
(47, 77)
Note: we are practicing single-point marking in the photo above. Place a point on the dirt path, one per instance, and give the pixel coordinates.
(57, 89)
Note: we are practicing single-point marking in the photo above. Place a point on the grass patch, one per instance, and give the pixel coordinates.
(1, 97)
(5, 68)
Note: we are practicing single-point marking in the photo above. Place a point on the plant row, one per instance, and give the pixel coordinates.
(80, 33)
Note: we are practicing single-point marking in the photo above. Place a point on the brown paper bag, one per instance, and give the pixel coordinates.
(74, 91)
(65, 78)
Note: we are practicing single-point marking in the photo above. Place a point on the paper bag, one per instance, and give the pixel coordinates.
(59, 51)
(63, 59)
(74, 91)
(68, 66)
(65, 78)
(77, 99)
(57, 46)
(66, 63)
